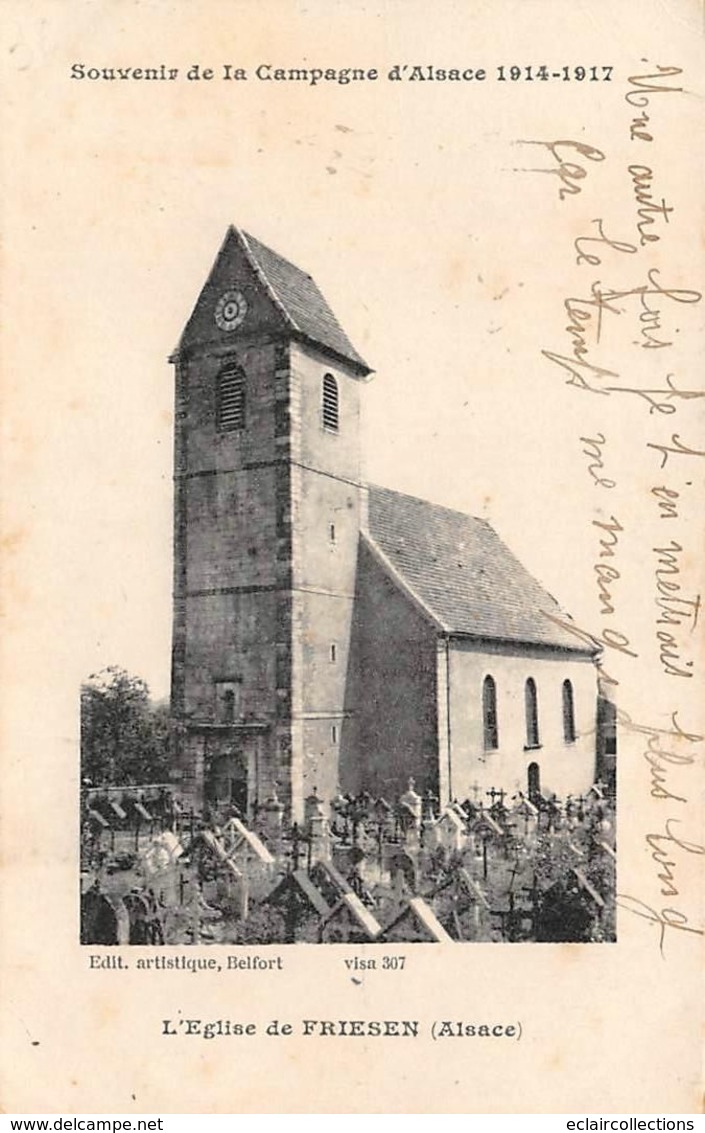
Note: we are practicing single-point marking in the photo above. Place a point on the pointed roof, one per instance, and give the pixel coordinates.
(300, 301)
(250, 839)
(457, 570)
(300, 880)
(352, 904)
(293, 293)
(422, 916)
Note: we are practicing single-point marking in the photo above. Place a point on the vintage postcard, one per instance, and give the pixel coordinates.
(353, 495)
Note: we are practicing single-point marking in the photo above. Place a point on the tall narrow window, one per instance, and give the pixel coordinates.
(228, 706)
(489, 714)
(230, 399)
(568, 713)
(532, 713)
(333, 652)
(329, 403)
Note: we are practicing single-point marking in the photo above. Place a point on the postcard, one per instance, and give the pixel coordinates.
(354, 472)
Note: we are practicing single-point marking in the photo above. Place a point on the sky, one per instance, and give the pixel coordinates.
(416, 206)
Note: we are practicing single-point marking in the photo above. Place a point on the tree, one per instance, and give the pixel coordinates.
(124, 736)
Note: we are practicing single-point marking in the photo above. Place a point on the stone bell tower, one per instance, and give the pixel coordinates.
(267, 513)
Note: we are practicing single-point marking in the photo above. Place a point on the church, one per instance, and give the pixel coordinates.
(329, 635)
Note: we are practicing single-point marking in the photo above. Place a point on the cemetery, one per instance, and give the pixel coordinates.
(369, 691)
(487, 869)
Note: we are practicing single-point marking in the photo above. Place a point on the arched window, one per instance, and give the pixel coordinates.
(534, 782)
(329, 403)
(489, 714)
(532, 713)
(230, 398)
(568, 713)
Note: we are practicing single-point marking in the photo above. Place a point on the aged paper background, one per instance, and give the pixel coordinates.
(448, 262)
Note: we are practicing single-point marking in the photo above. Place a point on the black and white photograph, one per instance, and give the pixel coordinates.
(381, 727)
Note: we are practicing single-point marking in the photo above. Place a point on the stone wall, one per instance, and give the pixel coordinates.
(391, 733)
(325, 506)
(565, 768)
(232, 550)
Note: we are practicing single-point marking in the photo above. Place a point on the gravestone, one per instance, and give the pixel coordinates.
(99, 922)
(450, 831)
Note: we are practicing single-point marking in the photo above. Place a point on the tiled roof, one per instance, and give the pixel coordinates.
(459, 570)
(300, 301)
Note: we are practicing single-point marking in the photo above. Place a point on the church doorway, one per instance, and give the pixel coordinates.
(228, 784)
(534, 782)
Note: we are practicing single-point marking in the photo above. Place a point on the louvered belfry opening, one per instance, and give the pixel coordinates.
(330, 403)
(230, 398)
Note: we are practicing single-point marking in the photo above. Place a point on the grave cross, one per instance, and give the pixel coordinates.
(430, 801)
(494, 795)
(553, 813)
(297, 840)
(512, 879)
(504, 916)
(533, 891)
(534, 894)
(484, 836)
(476, 788)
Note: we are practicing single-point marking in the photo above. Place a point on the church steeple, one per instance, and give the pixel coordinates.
(267, 520)
(251, 285)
